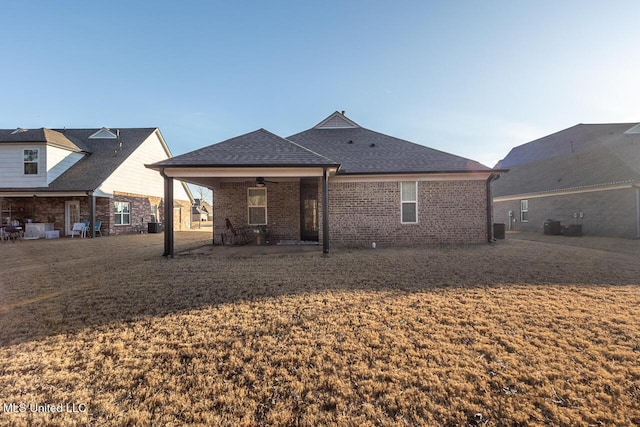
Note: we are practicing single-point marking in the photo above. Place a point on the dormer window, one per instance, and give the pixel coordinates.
(31, 161)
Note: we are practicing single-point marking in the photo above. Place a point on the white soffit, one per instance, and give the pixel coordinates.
(242, 172)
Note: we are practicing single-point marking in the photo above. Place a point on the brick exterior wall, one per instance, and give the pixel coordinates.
(52, 209)
(42, 209)
(283, 208)
(605, 213)
(141, 210)
(360, 213)
(449, 212)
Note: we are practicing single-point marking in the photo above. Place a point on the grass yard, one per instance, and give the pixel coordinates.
(521, 332)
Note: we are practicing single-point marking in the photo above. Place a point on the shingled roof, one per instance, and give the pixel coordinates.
(335, 141)
(258, 148)
(363, 151)
(44, 135)
(102, 155)
(585, 155)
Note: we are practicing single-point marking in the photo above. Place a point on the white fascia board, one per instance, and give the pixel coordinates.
(475, 176)
(242, 172)
(568, 191)
(164, 144)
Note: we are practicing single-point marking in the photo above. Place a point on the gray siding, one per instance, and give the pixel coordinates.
(605, 213)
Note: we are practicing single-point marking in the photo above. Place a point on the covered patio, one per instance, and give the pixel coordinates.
(275, 186)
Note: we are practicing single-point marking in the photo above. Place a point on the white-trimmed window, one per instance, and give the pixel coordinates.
(31, 161)
(409, 202)
(257, 205)
(524, 211)
(122, 213)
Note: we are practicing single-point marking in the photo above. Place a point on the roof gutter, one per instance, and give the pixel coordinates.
(424, 172)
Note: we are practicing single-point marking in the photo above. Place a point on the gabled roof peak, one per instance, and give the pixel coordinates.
(103, 133)
(336, 120)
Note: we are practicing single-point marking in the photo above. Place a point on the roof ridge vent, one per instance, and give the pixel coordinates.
(634, 130)
(19, 130)
(103, 133)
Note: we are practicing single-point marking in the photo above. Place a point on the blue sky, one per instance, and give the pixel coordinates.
(467, 77)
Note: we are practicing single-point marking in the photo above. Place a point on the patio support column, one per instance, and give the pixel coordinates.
(168, 215)
(213, 221)
(325, 211)
(92, 214)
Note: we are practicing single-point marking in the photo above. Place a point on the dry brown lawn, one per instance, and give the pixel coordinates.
(520, 332)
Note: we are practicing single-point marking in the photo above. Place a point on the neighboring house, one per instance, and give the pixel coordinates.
(201, 211)
(587, 175)
(342, 184)
(58, 177)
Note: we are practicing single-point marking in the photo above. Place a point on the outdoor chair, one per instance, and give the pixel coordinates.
(239, 236)
(79, 228)
(96, 228)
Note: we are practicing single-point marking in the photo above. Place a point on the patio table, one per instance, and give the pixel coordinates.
(13, 232)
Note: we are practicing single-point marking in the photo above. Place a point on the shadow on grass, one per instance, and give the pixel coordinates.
(64, 287)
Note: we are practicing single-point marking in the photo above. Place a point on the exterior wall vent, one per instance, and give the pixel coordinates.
(104, 133)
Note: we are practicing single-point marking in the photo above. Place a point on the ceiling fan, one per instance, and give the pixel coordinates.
(261, 182)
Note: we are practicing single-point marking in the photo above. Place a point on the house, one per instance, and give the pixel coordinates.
(340, 183)
(53, 178)
(201, 210)
(585, 177)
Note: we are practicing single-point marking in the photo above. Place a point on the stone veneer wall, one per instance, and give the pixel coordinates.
(283, 208)
(448, 212)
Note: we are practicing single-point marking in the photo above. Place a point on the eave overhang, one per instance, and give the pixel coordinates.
(571, 190)
(243, 171)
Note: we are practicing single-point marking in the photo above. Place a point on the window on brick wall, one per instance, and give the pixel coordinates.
(122, 213)
(524, 211)
(257, 203)
(409, 202)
